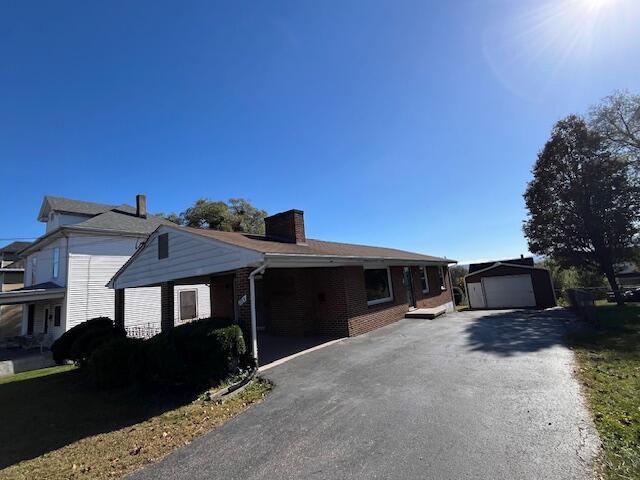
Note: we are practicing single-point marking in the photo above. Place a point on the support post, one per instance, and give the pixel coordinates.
(119, 309)
(252, 298)
(211, 280)
(167, 314)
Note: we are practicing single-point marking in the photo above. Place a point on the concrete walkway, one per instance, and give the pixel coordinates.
(470, 395)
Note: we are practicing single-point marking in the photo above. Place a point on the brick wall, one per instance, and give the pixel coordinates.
(287, 226)
(332, 301)
(222, 296)
(241, 288)
(305, 301)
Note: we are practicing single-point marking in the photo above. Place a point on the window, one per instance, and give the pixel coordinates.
(56, 262)
(163, 246)
(34, 267)
(377, 283)
(57, 313)
(188, 305)
(424, 280)
(441, 275)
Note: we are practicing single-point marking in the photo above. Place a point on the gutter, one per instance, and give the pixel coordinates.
(254, 323)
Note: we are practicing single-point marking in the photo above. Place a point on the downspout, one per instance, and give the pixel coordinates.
(254, 323)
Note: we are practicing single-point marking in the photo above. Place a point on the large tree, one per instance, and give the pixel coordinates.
(617, 119)
(583, 204)
(235, 215)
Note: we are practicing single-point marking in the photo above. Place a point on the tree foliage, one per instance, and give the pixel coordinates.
(583, 203)
(234, 215)
(617, 119)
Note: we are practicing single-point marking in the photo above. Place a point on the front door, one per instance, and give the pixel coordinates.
(408, 283)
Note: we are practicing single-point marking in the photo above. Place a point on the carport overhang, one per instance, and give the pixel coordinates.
(234, 258)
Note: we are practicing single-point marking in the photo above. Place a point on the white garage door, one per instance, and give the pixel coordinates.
(509, 291)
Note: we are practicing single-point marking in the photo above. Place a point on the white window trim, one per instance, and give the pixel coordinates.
(55, 263)
(381, 300)
(426, 280)
(180, 303)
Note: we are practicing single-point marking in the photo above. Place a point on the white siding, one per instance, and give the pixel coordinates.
(58, 219)
(44, 264)
(88, 296)
(190, 255)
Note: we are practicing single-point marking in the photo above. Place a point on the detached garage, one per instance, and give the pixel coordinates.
(509, 284)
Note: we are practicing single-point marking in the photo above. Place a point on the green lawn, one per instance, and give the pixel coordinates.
(609, 359)
(43, 372)
(55, 427)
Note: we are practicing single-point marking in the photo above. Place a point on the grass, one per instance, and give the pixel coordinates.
(43, 372)
(609, 369)
(54, 427)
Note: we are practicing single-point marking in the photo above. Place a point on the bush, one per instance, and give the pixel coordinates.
(193, 355)
(110, 364)
(61, 348)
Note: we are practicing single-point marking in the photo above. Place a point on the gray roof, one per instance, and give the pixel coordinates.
(37, 286)
(68, 205)
(124, 222)
(14, 247)
(115, 219)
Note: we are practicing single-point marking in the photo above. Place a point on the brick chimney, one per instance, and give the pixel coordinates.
(141, 206)
(286, 226)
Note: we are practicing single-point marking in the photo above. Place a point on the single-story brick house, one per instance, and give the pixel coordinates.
(284, 283)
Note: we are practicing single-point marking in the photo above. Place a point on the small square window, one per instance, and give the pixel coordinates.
(188, 305)
(163, 246)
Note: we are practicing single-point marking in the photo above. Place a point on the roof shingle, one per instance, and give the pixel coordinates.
(312, 247)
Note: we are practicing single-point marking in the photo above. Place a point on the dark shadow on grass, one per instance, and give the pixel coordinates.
(46, 413)
(519, 331)
(616, 329)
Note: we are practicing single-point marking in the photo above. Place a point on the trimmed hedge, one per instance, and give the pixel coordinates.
(193, 355)
(109, 365)
(79, 342)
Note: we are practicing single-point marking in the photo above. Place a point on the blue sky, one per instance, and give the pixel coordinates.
(405, 124)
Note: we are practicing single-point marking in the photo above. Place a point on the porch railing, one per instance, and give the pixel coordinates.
(143, 331)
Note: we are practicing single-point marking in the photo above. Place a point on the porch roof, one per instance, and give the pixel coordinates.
(34, 293)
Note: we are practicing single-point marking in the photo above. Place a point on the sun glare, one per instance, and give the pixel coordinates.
(594, 5)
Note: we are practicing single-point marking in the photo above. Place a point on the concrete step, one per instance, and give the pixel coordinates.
(425, 312)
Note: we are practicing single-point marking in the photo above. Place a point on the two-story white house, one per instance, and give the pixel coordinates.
(67, 269)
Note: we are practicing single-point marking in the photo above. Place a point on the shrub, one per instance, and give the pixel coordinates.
(109, 365)
(193, 355)
(90, 340)
(61, 348)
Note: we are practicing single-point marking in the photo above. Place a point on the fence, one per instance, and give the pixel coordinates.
(584, 303)
(142, 331)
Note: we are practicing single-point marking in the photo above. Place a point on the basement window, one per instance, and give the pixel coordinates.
(163, 246)
(188, 305)
(424, 280)
(377, 283)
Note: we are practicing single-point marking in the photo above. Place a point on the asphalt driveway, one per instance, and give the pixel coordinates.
(470, 395)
